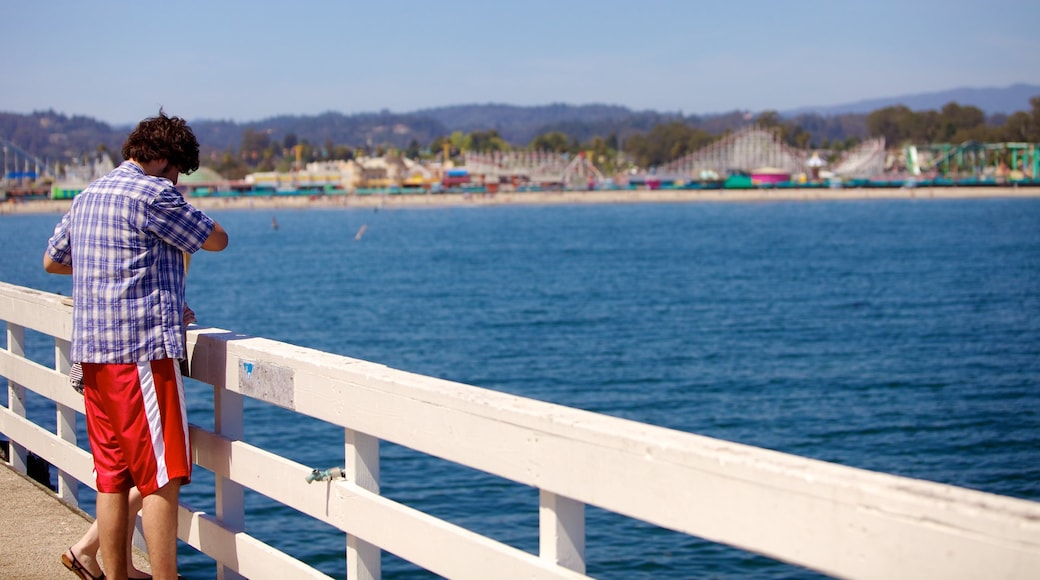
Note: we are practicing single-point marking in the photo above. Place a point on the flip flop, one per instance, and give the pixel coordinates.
(76, 568)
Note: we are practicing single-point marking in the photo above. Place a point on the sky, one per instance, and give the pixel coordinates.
(118, 61)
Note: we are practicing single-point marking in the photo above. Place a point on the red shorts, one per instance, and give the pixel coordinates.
(137, 424)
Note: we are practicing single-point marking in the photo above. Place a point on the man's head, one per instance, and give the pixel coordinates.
(163, 138)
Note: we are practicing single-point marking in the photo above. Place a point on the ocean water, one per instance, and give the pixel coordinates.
(900, 336)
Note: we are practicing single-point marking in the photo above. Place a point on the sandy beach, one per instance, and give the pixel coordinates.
(562, 197)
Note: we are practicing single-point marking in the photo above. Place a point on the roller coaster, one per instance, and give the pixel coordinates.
(757, 156)
(26, 176)
(741, 154)
(537, 167)
(20, 166)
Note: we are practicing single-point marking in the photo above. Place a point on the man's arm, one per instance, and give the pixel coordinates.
(59, 246)
(217, 240)
(53, 267)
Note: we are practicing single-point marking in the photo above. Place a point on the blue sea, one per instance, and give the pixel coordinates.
(900, 336)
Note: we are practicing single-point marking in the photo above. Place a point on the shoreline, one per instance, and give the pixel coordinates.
(445, 200)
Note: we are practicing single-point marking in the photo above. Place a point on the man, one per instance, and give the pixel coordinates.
(123, 242)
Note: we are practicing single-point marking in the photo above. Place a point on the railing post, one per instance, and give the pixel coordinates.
(362, 467)
(68, 486)
(561, 531)
(16, 395)
(230, 496)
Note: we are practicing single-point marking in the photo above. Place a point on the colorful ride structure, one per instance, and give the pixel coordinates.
(974, 159)
(757, 156)
(22, 174)
(534, 170)
(752, 157)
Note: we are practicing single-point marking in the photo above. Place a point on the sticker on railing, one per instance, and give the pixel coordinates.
(267, 382)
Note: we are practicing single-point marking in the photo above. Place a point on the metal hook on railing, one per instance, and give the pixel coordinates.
(326, 474)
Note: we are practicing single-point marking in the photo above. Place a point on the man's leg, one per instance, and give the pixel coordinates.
(112, 514)
(134, 501)
(160, 530)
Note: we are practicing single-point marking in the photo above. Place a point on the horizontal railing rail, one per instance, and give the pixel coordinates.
(838, 520)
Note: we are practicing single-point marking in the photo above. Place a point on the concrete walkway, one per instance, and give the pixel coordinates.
(36, 528)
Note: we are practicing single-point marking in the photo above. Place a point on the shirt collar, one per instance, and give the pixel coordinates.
(131, 166)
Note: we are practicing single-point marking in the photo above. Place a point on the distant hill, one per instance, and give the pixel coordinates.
(54, 136)
(991, 100)
(519, 124)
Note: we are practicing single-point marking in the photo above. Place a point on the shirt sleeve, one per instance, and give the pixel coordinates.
(177, 222)
(59, 246)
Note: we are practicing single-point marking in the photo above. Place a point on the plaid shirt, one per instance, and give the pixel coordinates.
(124, 237)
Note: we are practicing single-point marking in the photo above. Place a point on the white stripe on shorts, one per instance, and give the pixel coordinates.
(155, 428)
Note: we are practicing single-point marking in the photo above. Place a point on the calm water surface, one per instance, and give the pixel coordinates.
(900, 336)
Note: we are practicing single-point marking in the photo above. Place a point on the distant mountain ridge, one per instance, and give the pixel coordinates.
(991, 100)
(52, 135)
(520, 124)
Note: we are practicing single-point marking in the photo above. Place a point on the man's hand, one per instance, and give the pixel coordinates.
(189, 315)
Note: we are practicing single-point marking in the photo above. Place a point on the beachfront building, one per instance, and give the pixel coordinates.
(361, 175)
(316, 177)
(391, 173)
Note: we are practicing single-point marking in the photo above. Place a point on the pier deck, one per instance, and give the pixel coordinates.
(36, 527)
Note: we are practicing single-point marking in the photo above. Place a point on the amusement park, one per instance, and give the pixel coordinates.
(753, 157)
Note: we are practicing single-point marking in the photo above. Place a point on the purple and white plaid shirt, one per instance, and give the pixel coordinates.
(124, 237)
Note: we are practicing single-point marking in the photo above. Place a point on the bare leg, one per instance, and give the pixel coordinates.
(160, 530)
(134, 501)
(112, 515)
(86, 549)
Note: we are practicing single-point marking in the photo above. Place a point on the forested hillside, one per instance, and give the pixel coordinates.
(613, 133)
(51, 135)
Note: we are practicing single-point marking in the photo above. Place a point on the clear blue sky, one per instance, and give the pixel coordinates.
(119, 60)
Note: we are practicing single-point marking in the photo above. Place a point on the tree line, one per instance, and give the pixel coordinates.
(663, 142)
(614, 138)
(955, 124)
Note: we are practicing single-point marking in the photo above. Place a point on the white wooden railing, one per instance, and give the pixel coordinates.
(838, 520)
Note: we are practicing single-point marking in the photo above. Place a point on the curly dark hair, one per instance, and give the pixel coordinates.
(163, 137)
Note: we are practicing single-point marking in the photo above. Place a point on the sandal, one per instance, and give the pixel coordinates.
(68, 559)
